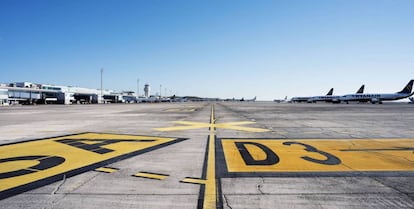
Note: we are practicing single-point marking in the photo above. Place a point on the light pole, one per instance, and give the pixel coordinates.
(101, 85)
(160, 90)
(137, 88)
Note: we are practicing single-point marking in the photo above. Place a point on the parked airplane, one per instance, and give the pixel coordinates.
(299, 99)
(378, 97)
(247, 100)
(326, 98)
(308, 99)
(361, 90)
(280, 100)
(330, 98)
(251, 100)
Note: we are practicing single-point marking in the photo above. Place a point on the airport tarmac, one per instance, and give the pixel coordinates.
(207, 155)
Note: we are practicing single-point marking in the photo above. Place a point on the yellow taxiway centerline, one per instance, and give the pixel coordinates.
(210, 194)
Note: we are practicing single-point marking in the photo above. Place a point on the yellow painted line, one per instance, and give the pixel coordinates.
(240, 128)
(181, 128)
(106, 169)
(191, 123)
(187, 125)
(318, 155)
(27, 162)
(210, 194)
(212, 117)
(240, 123)
(148, 175)
(193, 181)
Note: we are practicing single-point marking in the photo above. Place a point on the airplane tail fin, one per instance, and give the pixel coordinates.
(330, 92)
(361, 90)
(408, 88)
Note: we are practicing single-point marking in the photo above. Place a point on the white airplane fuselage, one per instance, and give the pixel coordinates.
(300, 99)
(360, 96)
(373, 98)
(327, 98)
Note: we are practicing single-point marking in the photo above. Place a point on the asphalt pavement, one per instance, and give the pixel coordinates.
(207, 155)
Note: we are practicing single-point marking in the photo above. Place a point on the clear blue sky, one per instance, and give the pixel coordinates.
(227, 49)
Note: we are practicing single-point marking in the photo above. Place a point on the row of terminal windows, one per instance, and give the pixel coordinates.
(24, 95)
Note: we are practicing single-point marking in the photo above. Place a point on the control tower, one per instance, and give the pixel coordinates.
(147, 90)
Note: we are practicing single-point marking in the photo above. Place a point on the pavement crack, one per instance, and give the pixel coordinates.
(260, 186)
(227, 201)
(58, 186)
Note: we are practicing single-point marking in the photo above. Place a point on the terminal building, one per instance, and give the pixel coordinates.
(4, 97)
(31, 93)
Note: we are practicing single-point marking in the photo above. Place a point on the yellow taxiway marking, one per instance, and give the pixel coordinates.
(193, 181)
(210, 193)
(106, 169)
(187, 125)
(26, 162)
(318, 155)
(148, 175)
(210, 198)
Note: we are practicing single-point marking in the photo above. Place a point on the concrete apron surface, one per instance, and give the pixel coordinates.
(207, 155)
